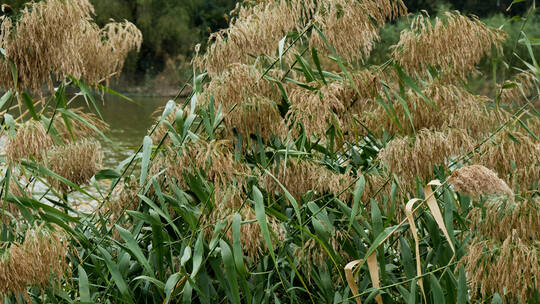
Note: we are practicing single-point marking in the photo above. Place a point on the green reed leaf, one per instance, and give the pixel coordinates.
(230, 271)
(84, 286)
(146, 152)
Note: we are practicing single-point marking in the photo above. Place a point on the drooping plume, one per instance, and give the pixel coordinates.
(352, 27)
(454, 44)
(59, 37)
(40, 260)
(31, 141)
(77, 161)
(412, 157)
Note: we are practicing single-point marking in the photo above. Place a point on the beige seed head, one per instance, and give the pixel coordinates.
(31, 141)
(214, 160)
(78, 128)
(314, 110)
(312, 254)
(256, 29)
(411, 157)
(40, 260)
(518, 217)
(352, 27)
(524, 86)
(15, 189)
(506, 149)
(478, 180)
(456, 108)
(59, 37)
(301, 176)
(125, 198)
(77, 162)
(510, 268)
(454, 44)
(250, 233)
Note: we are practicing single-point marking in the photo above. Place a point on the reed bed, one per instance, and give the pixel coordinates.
(294, 171)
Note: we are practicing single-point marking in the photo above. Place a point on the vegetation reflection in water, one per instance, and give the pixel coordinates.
(128, 122)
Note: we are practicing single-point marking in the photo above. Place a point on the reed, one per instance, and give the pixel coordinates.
(58, 38)
(293, 172)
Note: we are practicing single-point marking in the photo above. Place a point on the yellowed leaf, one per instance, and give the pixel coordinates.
(436, 211)
(409, 213)
(374, 274)
(350, 279)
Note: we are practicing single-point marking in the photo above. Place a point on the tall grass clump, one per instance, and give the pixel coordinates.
(49, 149)
(297, 171)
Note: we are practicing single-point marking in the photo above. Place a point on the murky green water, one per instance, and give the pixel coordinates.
(129, 123)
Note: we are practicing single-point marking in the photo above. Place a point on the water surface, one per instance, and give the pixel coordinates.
(128, 124)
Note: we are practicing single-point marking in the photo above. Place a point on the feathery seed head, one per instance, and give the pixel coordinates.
(301, 176)
(409, 158)
(478, 180)
(40, 260)
(455, 45)
(59, 37)
(456, 108)
(256, 29)
(250, 232)
(31, 141)
(514, 156)
(524, 84)
(78, 128)
(311, 254)
(519, 217)
(77, 161)
(214, 160)
(352, 27)
(510, 268)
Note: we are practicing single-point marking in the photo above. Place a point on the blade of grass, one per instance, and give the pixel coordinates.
(230, 271)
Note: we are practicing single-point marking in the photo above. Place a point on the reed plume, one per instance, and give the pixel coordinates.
(311, 254)
(301, 176)
(40, 260)
(515, 156)
(314, 111)
(415, 157)
(78, 128)
(247, 102)
(15, 189)
(77, 162)
(518, 217)
(59, 37)
(352, 27)
(256, 116)
(334, 103)
(449, 106)
(256, 29)
(503, 254)
(478, 180)
(215, 162)
(454, 44)
(250, 231)
(124, 198)
(31, 141)
(519, 88)
(237, 84)
(510, 268)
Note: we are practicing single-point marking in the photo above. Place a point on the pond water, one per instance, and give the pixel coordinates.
(128, 124)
